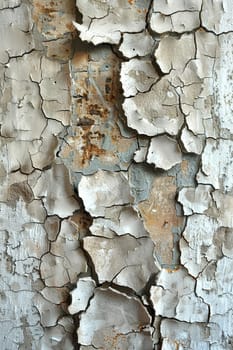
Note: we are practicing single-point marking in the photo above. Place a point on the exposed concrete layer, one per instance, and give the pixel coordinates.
(116, 174)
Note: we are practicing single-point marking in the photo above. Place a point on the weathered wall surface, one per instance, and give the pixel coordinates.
(116, 174)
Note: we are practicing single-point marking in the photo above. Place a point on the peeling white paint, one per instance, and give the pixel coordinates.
(106, 20)
(114, 319)
(104, 190)
(163, 152)
(217, 166)
(136, 44)
(81, 295)
(137, 76)
(156, 111)
(179, 16)
(191, 142)
(195, 200)
(86, 200)
(125, 260)
(174, 297)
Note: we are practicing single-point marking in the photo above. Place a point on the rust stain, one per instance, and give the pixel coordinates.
(174, 269)
(80, 57)
(159, 216)
(70, 26)
(58, 14)
(90, 150)
(95, 110)
(54, 21)
(143, 11)
(41, 8)
(121, 144)
(112, 86)
(184, 166)
(114, 341)
(96, 133)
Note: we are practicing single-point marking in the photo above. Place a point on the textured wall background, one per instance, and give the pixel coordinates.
(116, 174)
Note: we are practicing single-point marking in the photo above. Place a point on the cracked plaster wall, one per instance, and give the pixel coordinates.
(116, 174)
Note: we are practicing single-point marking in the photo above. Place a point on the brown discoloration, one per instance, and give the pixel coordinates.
(115, 341)
(89, 149)
(40, 9)
(86, 144)
(60, 51)
(174, 269)
(54, 21)
(81, 221)
(184, 166)
(159, 216)
(70, 27)
(96, 102)
(20, 190)
(46, 7)
(80, 59)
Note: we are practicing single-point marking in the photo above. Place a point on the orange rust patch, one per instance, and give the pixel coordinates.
(86, 144)
(96, 133)
(70, 26)
(114, 340)
(94, 110)
(54, 21)
(59, 13)
(80, 58)
(90, 151)
(159, 216)
(43, 9)
(174, 269)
